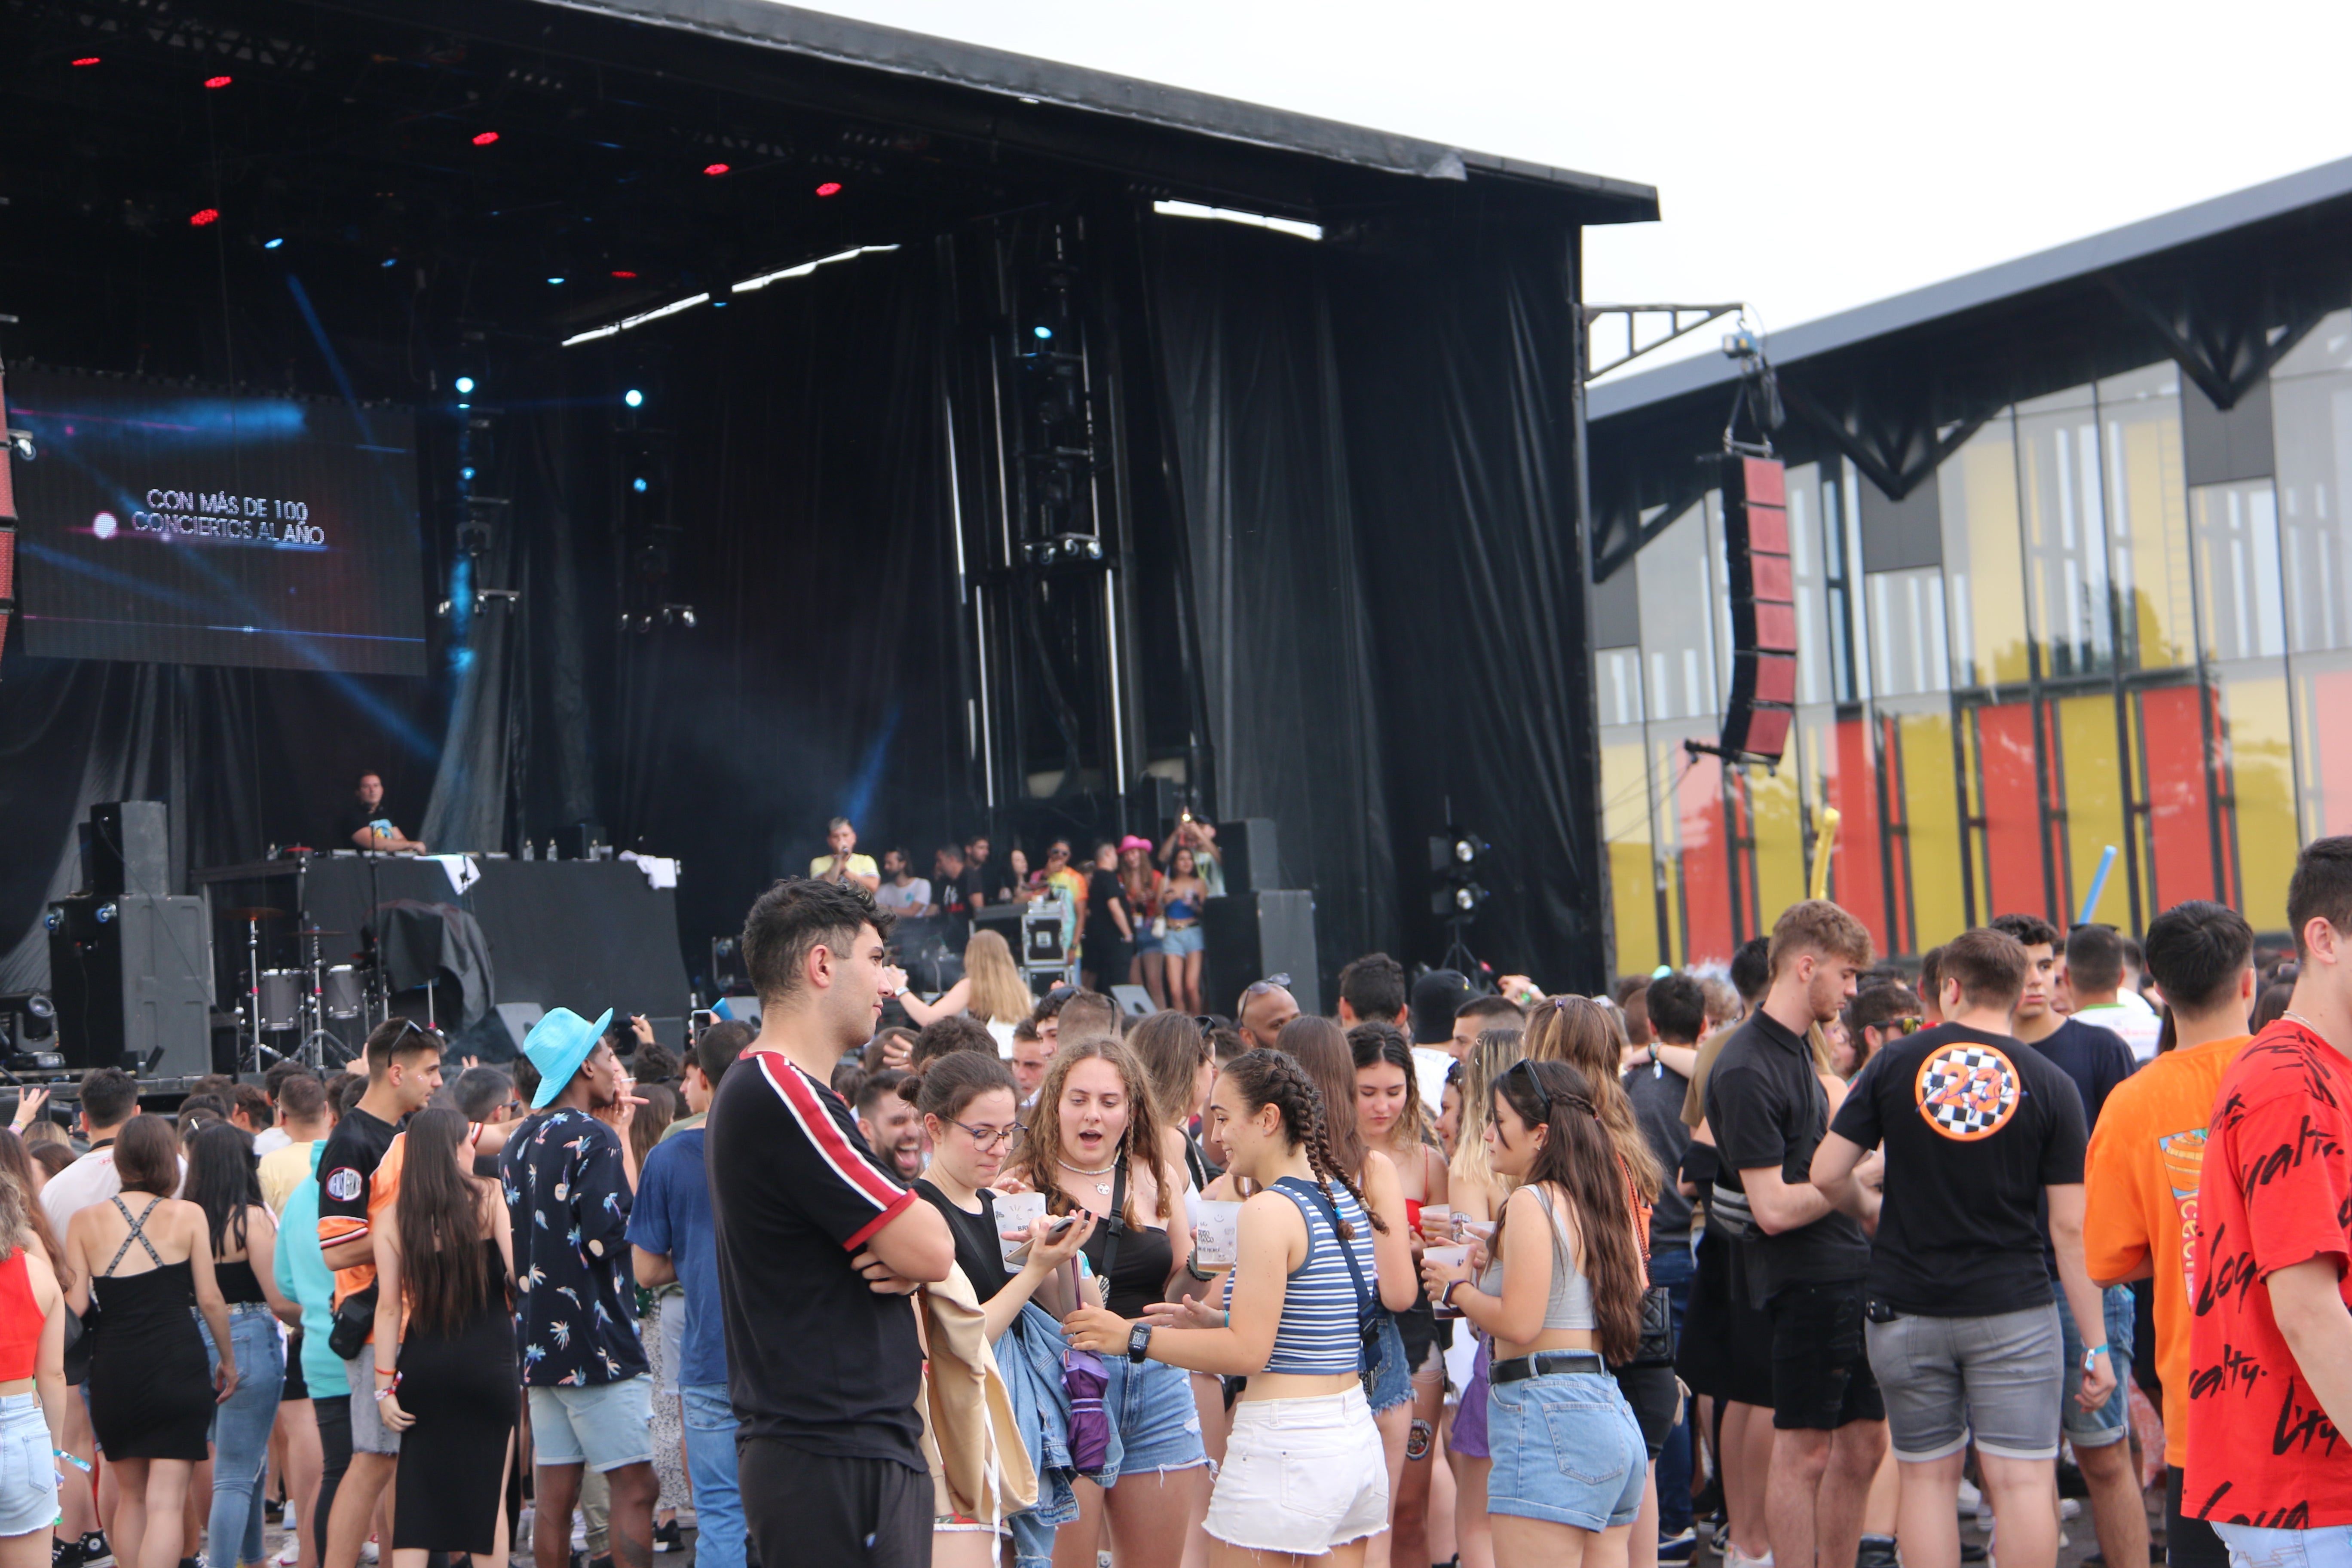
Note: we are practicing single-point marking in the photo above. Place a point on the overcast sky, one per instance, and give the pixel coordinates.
(1809, 155)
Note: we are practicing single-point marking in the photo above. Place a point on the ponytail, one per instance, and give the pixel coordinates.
(1578, 1158)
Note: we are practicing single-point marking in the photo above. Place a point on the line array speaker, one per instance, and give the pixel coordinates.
(1763, 610)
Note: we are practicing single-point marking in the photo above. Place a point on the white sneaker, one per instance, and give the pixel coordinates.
(368, 1550)
(292, 1555)
(1971, 1497)
(1735, 1558)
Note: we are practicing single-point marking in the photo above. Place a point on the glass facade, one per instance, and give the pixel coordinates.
(2106, 656)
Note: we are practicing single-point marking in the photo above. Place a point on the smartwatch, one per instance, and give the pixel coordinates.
(1139, 1341)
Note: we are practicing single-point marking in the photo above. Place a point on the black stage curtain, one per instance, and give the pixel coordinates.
(1286, 633)
(1377, 467)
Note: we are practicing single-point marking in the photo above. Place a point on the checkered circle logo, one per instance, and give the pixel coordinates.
(1967, 1091)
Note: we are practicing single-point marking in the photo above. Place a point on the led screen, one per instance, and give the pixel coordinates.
(185, 527)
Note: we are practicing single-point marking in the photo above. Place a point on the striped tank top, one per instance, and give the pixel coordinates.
(1318, 1333)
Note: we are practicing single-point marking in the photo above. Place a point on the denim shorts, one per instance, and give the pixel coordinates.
(1996, 1375)
(1393, 1380)
(1185, 940)
(2251, 1546)
(1159, 1424)
(1566, 1449)
(603, 1425)
(28, 1471)
(2111, 1422)
(1300, 1475)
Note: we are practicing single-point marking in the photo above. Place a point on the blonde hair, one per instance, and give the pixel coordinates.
(1488, 1059)
(1587, 1034)
(998, 995)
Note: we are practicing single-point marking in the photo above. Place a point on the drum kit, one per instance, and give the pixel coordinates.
(298, 1003)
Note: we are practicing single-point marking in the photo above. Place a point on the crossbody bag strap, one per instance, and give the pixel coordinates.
(1116, 1224)
(1365, 1301)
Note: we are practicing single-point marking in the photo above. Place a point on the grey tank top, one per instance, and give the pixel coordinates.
(1570, 1306)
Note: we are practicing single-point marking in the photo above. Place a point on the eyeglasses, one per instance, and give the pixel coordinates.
(986, 1137)
(1543, 1095)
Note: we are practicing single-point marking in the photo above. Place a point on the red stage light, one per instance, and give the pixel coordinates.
(624, 275)
(87, 60)
(714, 170)
(830, 188)
(216, 82)
(485, 138)
(204, 216)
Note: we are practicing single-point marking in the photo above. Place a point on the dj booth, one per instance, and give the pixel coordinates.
(482, 959)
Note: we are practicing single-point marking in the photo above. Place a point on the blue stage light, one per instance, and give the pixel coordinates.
(1042, 332)
(392, 261)
(634, 398)
(465, 385)
(271, 244)
(638, 485)
(465, 474)
(555, 280)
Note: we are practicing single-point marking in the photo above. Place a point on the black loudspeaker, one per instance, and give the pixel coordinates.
(128, 848)
(128, 974)
(1763, 611)
(1251, 936)
(1253, 864)
(1158, 799)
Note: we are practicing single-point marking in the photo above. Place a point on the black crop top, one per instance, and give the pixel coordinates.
(1138, 1277)
(237, 1281)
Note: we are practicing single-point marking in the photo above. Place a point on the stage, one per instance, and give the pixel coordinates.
(784, 417)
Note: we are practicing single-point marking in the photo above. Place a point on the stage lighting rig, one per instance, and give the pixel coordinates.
(1457, 896)
(1063, 550)
(29, 1018)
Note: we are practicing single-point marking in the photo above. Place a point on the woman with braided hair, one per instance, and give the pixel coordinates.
(1560, 1292)
(1304, 1477)
(1590, 1036)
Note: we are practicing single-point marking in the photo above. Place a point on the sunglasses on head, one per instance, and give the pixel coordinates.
(1543, 1095)
(1271, 983)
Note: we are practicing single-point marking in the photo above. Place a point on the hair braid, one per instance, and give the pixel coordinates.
(1272, 1077)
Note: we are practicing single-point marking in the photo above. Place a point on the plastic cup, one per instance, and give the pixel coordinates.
(1436, 1219)
(1017, 1211)
(1217, 1233)
(1446, 1257)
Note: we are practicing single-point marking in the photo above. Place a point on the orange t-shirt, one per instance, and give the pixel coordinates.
(2140, 1198)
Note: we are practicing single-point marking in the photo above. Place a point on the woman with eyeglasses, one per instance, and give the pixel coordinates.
(1560, 1292)
(1182, 949)
(1092, 1146)
(969, 1109)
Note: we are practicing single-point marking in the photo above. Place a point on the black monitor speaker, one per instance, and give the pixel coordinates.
(1246, 848)
(127, 847)
(128, 973)
(1253, 936)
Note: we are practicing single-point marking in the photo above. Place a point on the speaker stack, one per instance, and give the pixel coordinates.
(1259, 928)
(1763, 699)
(129, 962)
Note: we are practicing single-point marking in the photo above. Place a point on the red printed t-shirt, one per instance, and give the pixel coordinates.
(2277, 1191)
(2140, 1200)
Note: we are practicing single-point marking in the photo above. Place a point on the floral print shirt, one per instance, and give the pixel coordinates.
(568, 1196)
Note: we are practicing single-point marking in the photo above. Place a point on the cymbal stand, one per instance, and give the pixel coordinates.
(253, 987)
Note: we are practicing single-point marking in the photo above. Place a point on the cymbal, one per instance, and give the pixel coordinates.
(256, 913)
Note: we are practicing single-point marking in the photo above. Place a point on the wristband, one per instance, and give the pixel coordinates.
(76, 1460)
(2091, 1352)
(1446, 1297)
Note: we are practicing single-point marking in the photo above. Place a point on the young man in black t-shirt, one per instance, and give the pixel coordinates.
(403, 1072)
(819, 1247)
(2096, 1061)
(1770, 1110)
(1979, 1131)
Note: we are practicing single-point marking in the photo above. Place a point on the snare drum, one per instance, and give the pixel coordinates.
(342, 993)
(280, 1006)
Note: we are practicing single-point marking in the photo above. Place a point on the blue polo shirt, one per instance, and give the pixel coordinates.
(672, 1216)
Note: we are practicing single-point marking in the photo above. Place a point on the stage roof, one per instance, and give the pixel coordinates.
(2060, 264)
(995, 72)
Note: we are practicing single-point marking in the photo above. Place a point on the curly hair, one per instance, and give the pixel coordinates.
(1577, 1158)
(1585, 1034)
(1039, 1155)
(1265, 1077)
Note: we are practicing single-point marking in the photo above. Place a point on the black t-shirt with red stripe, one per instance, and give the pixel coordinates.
(814, 1358)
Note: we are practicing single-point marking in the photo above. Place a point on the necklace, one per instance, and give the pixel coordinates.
(1101, 1187)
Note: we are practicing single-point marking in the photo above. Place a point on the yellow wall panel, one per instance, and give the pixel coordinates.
(2261, 754)
(1931, 812)
(2093, 794)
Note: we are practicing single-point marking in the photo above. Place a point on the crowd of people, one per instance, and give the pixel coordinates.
(1813, 1252)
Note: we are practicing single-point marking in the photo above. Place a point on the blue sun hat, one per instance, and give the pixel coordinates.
(556, 1045)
